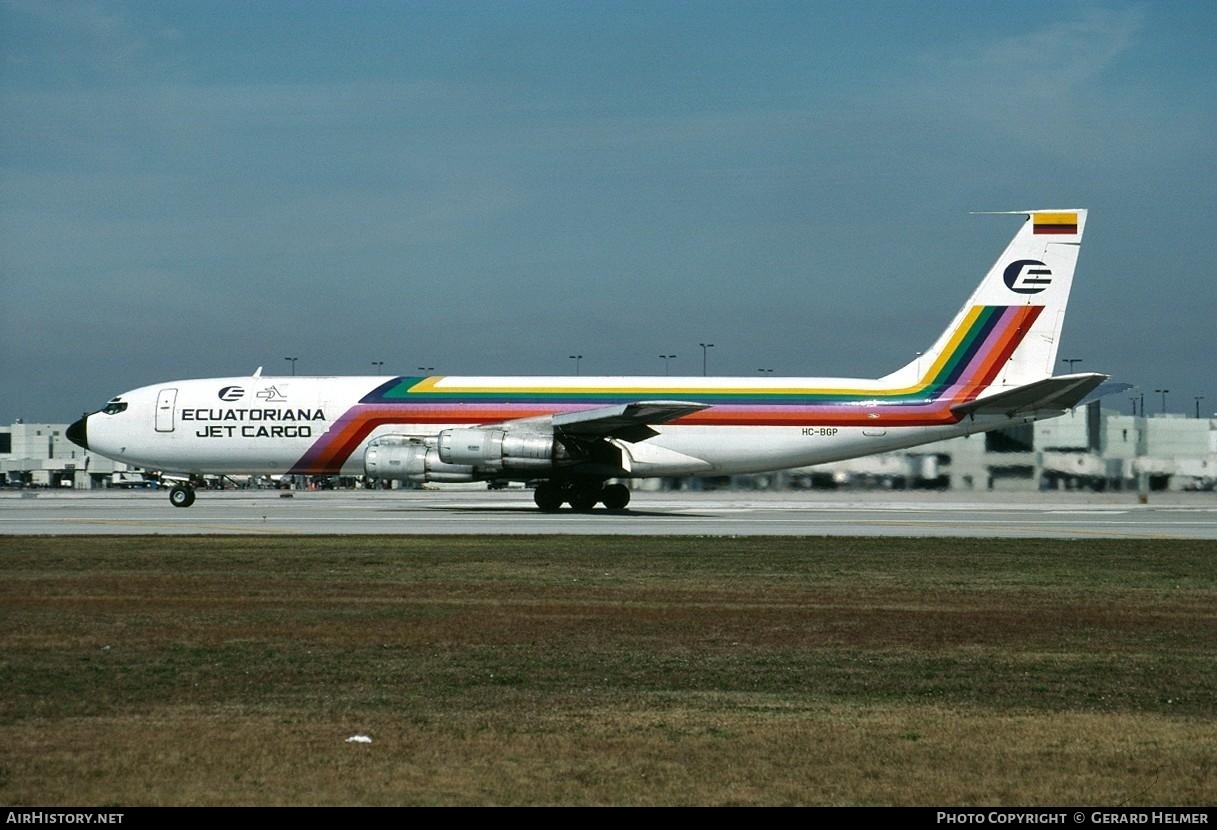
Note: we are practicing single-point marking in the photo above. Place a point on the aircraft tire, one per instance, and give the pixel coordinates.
(181, 496)
(547, 497)
(616, 496)
(583, 500)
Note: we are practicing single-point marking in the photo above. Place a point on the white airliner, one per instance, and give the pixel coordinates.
(992, 367)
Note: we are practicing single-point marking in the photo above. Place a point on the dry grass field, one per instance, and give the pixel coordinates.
(577, 670)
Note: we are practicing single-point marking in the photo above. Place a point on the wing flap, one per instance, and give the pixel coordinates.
(1062, 392)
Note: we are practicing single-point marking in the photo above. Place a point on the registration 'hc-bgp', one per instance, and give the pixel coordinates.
(992, 367)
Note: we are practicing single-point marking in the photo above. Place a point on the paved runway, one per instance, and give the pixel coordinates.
(1078, 515)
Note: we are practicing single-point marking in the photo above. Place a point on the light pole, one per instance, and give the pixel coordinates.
(379, 364)
(765, 371)
(292, 360)
(1198, 399)
(576, 358)
(1133, 401)
(1071, 361)
(1163, 393)
(704, 348)
(665, 358)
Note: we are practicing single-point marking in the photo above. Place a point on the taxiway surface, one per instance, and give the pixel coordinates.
(1055, 515)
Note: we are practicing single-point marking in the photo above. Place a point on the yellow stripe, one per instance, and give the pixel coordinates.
(947, 353)
(1056, 218)
(431, 384)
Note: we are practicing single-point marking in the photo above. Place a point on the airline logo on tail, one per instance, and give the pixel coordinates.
(1027, 276)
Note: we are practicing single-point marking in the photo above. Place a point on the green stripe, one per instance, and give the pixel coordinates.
(403, 390)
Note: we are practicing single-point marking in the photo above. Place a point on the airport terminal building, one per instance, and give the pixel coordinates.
(1086, 448)
(40, 455)
(1083, 449)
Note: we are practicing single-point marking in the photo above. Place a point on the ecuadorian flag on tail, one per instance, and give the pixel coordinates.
(1066, 223)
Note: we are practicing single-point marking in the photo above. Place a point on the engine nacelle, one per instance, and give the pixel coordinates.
(497, 450)
(405, 458)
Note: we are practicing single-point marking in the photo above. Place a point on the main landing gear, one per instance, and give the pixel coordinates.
(182, 495)
(582, 496)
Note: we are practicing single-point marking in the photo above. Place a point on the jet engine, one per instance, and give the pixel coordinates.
(463, 455)
(497, 450)
(406, 458)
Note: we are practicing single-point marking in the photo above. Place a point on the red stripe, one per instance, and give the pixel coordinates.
(1011, 338)
(1066, 229)
(354, 433)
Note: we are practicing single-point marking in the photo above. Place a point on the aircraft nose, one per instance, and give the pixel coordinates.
(78, 433)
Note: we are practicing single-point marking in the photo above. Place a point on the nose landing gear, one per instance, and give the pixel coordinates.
(182, 495)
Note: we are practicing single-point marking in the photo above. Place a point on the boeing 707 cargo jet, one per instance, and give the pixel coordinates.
(992, 367)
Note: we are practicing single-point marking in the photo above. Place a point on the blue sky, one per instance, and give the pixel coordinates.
(197, 189)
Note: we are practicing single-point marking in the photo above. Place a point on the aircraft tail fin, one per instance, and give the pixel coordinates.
(1008, 332)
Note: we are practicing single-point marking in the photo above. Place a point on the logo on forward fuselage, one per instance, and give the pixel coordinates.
(271, 394)
(231, 393)
(1027, 276)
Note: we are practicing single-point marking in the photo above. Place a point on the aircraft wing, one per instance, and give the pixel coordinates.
(629, 422)
(1062, 392)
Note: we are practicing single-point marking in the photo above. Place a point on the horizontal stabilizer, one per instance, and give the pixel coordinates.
(629, 421)
(1103, 390)
(1063, 392)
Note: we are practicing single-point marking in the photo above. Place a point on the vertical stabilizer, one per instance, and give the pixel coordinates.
(1008, 332)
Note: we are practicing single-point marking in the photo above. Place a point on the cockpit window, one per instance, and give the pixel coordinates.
(114, 407)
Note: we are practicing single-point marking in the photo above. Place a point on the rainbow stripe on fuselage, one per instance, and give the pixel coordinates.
(974, 355)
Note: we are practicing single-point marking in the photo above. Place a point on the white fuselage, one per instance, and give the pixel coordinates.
(311, 425)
